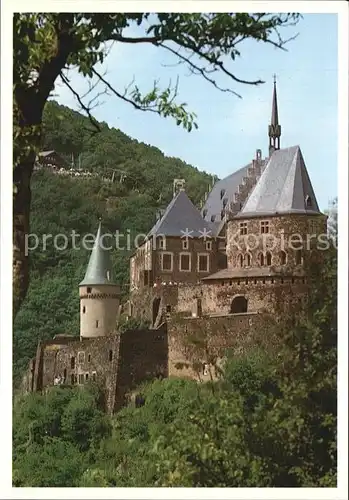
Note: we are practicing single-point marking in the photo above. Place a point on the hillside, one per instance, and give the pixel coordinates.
(62, 204)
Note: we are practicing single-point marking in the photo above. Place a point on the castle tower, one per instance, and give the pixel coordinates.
(99, 295)
(274, 127)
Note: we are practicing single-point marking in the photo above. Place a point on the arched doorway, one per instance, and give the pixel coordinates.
(238, 305)
(156, 306)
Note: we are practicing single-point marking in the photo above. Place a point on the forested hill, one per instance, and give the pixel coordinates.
(145, 168)
(61, 204)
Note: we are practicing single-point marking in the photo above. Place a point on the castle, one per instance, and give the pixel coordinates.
(206, 281)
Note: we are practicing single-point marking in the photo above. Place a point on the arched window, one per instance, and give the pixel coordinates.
(308, 202)
(261, 259)
(268, 258)
(238, 305)
(283, 258)
(241, 260)
(298, 257)
(247, 259)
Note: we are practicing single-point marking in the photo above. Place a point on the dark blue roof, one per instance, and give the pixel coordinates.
(224, 189)
(181, 216)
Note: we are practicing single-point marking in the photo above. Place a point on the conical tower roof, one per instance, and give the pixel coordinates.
(99, 269)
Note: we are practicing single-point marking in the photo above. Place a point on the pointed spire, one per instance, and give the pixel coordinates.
(274, 127)
(99, 269)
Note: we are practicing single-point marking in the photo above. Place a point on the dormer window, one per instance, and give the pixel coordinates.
(213, 218)
(222, 193)
(225, 201)
(204, 213)
(308, 202)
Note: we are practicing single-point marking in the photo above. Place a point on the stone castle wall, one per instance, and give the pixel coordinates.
(283, 234)
(197, 345)
(263, 294)
(118, 363)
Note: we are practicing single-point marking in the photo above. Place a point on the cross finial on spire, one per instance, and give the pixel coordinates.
(274, 77)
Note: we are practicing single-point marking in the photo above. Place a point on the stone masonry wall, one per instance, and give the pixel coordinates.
(284, 232)
(262, 294)
(143, 357)
(197, 344)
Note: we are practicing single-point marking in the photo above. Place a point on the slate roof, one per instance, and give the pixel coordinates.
(230, 184)
(283, 188)
(274, 111)
(99, 269)
(181, 215)
(252, 272)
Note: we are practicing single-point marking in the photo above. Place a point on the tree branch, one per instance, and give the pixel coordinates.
(123, 96)
(83, 106)
(200, 71)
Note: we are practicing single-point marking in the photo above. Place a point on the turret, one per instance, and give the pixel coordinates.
(99, 294)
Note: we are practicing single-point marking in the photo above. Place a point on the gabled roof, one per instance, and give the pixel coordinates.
(181, 216)
(99, 269)
(214, 203)
(284, 187)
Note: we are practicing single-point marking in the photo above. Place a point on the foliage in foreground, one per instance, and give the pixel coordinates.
(270, 421)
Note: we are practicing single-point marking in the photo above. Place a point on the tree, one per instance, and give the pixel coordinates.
(46, 45)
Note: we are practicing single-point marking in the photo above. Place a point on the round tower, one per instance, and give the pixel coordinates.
(99, 294)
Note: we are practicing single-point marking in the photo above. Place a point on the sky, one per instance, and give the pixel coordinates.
(231, 128)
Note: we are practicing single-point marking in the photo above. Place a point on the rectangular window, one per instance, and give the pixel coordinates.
(89, 289)
(81, 358)
(166, 262)
(243, 228)
(312, 227)
(97, 323)
(264, 226)
(162, 243)
(209, 245)
(203, 263)
(185, 244)
(86, 377)
(89, 358)
(81, 378)
(72, 363)
(185, 262)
